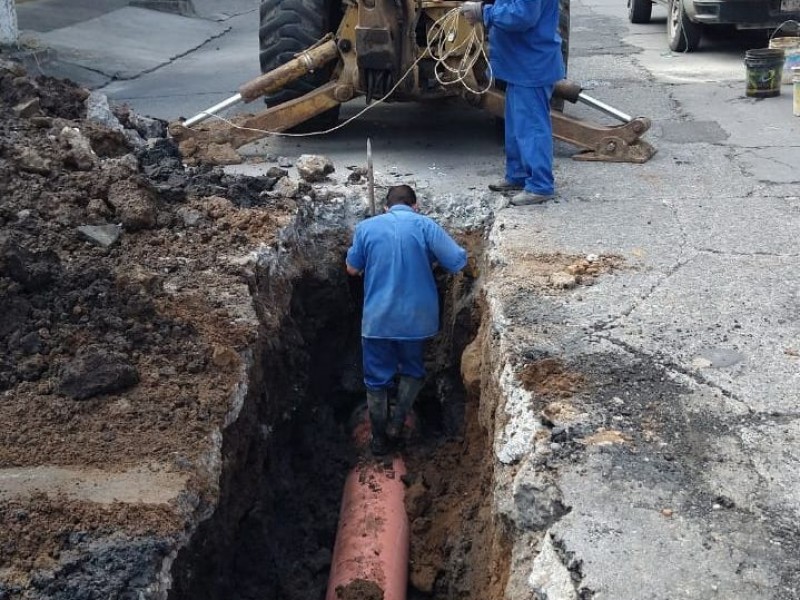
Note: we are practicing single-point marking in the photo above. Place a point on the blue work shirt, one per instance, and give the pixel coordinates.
(524, 45)
(396, 252)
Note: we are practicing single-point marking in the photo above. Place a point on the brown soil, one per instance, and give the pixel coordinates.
(549, 377)
(360, 590)
(453, 547)
(111, 357)
(561, 271)
(34, 532)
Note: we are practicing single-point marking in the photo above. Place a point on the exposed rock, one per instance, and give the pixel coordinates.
(222, 154)
(189, 216)
(277, 172)
(31, 161)
(96, 370)
(357, 174)
(32, 270)
(217, 206)
(471, 368)
(314, 168)
(99, 111)
(28, 108)
(550, 578)
(98, 208)
(80, 155)
(563, 280)
(537, 500)
(134, 204)
(104, 236)
(286, 187)
(148, 127)
(225, 358)
(31, 343)
(134, 139)
(285, 162)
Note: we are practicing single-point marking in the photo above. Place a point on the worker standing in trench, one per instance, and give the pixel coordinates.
(396, 253)
(525, 52)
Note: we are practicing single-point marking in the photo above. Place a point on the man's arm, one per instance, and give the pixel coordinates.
(513, 15)
(356, 259)
(450, 256)
(352, 270)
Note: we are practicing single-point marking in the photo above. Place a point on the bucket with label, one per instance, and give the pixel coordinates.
(764, 72)
(791, 49)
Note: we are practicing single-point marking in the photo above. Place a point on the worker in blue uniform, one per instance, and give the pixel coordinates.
(525, 52)
(396, 253)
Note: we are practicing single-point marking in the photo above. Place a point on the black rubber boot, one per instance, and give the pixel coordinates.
(407, 392)
(377, 403)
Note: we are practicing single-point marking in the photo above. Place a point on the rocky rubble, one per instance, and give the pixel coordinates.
(125, 311)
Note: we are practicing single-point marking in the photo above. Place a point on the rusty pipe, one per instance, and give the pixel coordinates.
(370, 555)
(305, 62)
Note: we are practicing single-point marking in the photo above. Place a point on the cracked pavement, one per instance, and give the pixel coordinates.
(690, 350)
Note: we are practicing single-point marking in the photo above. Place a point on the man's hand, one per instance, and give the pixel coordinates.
(472, 11)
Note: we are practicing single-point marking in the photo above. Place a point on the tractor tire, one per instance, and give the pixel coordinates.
(563, 32)
(288, 27)
(640, 11)
(683, 35)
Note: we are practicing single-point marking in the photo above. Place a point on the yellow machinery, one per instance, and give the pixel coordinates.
(388, 50)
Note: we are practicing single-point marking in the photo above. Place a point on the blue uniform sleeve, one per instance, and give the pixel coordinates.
(356, 257)
(513, 15)
(450, 256)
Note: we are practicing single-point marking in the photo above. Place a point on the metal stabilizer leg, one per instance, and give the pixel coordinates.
(620, 143)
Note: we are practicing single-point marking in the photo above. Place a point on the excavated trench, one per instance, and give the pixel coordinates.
(286, 454)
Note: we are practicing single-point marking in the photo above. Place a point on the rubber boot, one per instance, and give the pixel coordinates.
(407, 391)
(377, 405)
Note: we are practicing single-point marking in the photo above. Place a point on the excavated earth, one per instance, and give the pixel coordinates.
(178, 369)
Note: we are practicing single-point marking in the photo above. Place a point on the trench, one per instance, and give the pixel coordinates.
(271, 531)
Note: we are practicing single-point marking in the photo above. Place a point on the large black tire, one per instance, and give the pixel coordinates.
(291, 26)
(683, 35)
(563, 31)
(640, 11)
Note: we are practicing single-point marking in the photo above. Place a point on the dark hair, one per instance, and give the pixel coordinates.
(401, 194)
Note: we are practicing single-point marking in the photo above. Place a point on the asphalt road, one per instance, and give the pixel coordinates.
(696, 341)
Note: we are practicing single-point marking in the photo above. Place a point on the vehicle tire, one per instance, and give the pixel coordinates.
(563, 32)
(640, 11)
(288, 27)
(682, 34)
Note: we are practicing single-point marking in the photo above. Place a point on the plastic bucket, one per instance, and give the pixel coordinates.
(791, 50)
(764, 72)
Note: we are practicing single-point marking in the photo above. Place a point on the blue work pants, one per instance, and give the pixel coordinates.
(529, 138)
(383, 359)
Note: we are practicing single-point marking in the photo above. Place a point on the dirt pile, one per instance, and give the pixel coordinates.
(123, 286)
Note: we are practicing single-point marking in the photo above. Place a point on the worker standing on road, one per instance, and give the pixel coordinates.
(525, 52)
(396, 252)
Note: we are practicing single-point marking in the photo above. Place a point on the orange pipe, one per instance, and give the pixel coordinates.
(371, 551)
